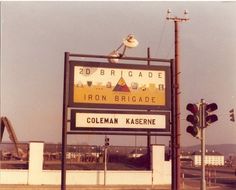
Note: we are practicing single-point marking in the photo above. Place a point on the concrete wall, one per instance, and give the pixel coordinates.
(161, 168)
(35, 175)
(13, 176)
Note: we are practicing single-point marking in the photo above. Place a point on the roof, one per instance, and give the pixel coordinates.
(209, 153)
(186, 153)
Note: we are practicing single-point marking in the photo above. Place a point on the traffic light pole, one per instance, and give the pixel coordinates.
(201, 116)
(105, 158)
(105, 164)
(203, 150)
(203, 143)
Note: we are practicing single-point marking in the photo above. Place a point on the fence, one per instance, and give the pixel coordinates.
(160, 172)
(86, 157)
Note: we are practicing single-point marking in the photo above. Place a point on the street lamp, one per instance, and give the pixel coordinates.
(128, 42)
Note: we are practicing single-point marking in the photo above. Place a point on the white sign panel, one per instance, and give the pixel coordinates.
(119, 121)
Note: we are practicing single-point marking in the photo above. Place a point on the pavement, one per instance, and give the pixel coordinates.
(187, 184)
(109, 187)
(83, 187)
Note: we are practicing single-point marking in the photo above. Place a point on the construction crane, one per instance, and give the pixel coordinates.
(5, 123)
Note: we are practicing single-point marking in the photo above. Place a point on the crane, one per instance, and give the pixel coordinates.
(5, 123)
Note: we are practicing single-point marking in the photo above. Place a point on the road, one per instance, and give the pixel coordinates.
(224, 178)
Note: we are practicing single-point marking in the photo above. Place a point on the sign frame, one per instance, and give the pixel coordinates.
(74, 128)
(68, 104)
(93, 64)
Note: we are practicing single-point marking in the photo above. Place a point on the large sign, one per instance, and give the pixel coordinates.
(101, 120)
(97, 85)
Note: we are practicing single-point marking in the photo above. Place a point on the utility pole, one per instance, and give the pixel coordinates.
(176, 136)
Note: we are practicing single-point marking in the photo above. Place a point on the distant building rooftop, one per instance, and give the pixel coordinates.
(209, 153)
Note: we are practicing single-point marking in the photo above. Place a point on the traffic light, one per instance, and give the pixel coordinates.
(231, 115)
(194, 131)
(107, 141)
(209, 117)
(194, 119)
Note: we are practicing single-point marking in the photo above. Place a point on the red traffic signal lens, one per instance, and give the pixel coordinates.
(192, 119)
(107, 139)
(211, 107)
(192, 108)
(211, 118)
(192, 130)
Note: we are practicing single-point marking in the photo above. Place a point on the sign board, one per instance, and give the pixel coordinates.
(103, 85)
(119, 120)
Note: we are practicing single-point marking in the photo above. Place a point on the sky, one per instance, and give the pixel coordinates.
(35, 35)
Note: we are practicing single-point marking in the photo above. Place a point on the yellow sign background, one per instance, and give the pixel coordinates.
(119, 86)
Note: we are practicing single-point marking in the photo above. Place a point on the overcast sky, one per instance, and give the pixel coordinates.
(35, 35)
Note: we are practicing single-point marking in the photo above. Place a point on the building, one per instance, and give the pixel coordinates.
(212, 158)
(186, 158)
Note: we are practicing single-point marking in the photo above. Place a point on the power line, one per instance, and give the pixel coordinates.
(171, 48)
(162, 33)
